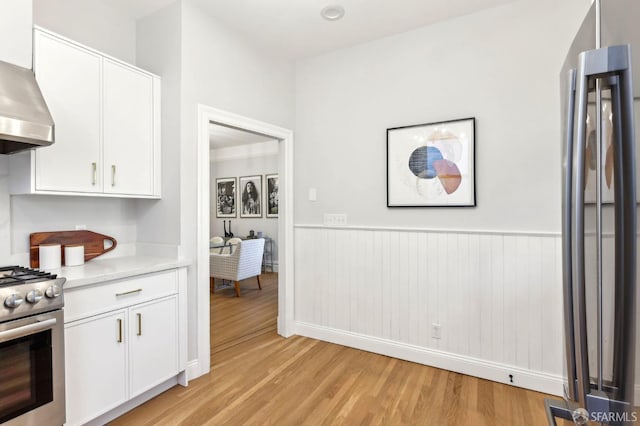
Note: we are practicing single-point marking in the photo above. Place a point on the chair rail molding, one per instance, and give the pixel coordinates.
(207, 115)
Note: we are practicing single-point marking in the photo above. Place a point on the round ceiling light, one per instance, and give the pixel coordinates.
(332, 12)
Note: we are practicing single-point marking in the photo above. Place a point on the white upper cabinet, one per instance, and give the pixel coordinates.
(128, 130)
(107, 125)
(70, 82)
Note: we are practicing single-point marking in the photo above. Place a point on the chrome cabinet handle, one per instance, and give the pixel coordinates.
(139, 324)
(119, 330)
(113, 175)
(138, 290)
(94, 168)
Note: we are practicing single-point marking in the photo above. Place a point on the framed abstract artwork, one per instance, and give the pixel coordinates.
(250, 188)
(271, 196)
(432, 165)
(226, 197)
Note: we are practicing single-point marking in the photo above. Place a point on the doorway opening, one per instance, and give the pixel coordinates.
(244, 199)
(208, 117)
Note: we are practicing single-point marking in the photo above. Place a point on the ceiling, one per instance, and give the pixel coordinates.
(294, 28)
(223, 137)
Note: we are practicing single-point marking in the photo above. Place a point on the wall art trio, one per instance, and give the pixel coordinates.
(248, 199)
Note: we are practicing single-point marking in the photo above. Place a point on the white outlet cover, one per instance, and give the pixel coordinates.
(313, 194)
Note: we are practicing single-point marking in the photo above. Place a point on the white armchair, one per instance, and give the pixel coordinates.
(245, 261)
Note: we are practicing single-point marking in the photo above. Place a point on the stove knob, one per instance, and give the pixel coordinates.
(13, 301)
(52, 292)
(34, 296)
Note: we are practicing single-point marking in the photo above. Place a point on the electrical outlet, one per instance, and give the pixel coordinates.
(81, 227)
(335, 219)
(436, 331)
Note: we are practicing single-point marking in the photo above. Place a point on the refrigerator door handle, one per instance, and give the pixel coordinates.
(625, 234)
(577, 236)
(567, 286)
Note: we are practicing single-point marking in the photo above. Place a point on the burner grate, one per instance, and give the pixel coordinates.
(17, 274)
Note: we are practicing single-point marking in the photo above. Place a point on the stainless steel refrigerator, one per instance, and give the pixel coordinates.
(599, 215)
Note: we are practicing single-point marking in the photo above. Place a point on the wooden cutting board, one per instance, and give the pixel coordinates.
(92, 241)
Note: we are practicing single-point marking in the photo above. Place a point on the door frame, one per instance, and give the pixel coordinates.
(206, 115)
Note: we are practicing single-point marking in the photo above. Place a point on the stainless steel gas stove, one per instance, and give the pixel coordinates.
(31, 347)
(27, 291)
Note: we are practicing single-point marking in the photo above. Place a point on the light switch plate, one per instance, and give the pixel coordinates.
(313, 194)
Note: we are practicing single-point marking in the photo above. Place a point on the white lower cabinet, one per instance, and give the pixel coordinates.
(153, 344)
(112, 357)
(95, 366)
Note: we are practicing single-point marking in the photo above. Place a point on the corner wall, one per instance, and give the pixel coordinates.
(487, 275)
(94, 23)
(201, 62)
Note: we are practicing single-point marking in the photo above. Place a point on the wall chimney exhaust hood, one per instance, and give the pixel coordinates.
(25, 121)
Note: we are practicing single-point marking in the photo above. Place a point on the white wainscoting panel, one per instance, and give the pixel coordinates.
(496, 296)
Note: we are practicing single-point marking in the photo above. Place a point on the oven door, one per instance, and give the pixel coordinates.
(32, 370)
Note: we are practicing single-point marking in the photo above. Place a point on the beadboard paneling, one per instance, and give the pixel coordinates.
(497, 297)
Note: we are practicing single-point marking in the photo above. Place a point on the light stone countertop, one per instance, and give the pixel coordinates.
(101, 270)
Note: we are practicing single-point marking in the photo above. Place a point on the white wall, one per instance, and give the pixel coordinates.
(5, 212)
(95, 23)
(221, 70)
(16, 19)
(249, 166)
(501, 66)
(159, 51)
(506, 77)
(36, 213)
(218, 68)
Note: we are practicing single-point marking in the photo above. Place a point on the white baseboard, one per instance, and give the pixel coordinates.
(133, 403)
(193, 370)
(534, 380)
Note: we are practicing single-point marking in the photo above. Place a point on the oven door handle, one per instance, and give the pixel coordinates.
(38, 324)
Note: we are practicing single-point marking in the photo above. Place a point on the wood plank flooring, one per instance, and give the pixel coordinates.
(260, 378)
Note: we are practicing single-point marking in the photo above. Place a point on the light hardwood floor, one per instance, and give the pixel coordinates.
(260, 378)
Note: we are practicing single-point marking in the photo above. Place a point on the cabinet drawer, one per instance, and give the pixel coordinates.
(93, 299)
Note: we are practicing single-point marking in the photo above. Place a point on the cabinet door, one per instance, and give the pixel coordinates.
(95, 366)
(128, 130)
(70, 81)
(153, 350)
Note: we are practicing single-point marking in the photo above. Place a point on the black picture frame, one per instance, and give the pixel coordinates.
(250, 200)
(271, 196)
(432, 164)
(226, 201)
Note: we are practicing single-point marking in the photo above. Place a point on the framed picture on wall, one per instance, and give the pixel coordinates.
(250, 205)
(271, 196)
(432, 165)
(226, 197)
